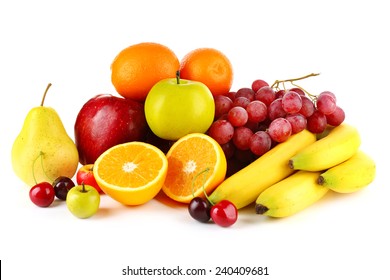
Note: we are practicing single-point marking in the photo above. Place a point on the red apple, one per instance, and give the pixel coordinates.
(105, 121)
(85, 176)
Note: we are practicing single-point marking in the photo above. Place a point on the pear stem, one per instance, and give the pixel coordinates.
(44, 94)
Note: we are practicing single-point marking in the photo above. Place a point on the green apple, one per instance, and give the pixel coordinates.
(83, 201)
(177, 107)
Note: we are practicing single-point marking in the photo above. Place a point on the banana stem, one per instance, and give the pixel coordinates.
(261, 209)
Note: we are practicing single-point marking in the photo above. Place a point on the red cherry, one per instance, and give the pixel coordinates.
(42, 194)
(224, 213)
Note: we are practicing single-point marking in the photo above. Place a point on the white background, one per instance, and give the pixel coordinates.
(72, 44)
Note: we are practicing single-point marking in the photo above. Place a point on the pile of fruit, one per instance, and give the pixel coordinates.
(177, 128)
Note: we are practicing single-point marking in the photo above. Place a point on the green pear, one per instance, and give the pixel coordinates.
(43, 150)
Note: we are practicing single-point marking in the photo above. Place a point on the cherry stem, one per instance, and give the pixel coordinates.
(33, 166)
(207, 169)
(178, 77)
(44, 94)
(277, 82)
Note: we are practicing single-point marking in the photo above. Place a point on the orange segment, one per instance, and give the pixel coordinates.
(131, 173)
(198, 156)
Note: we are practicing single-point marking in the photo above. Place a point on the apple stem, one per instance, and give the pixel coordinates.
(83, 189)
(44, 94)
(178, 77)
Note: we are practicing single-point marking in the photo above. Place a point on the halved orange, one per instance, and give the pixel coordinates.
(131, 173)
(196, 162)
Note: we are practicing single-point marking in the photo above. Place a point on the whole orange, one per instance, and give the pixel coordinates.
(138, 67)
(209, 66)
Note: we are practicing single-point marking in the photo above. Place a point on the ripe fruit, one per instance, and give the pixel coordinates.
(85, 176)
(209, 66)
(189, 156)
(105, 121)
(131, 173)
(224, 213)
(43, 150)
(61, 186)
(42, 194)
(280, 130)
(138, 67)
(199, 209)
(83, 201)
(177, 107)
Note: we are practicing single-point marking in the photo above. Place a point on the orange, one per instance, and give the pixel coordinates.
(131, 173)
(137, 68)
(194, 161)
(209, 66)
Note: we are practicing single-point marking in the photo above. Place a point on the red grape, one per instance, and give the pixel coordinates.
(260, 143)
(317, 122)
(241, 101)
(328, 93)
(291, 102)
(280, 93)
(298, 122)
(258, 84)
(326, 104)
(275, 110)
(280, 130)
(237, 116)
(228, 149)
(308, 107)
(221, 131)
(336, 118)
(299, 91)
(257, 111)
(266, 95)
(231, 95)
(222, 105)
(241, 137)
(246, 92)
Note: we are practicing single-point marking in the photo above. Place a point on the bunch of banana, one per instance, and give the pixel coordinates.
(340, 144)
(243, 187)
(290, 195)
(331, 163)
(351, 175)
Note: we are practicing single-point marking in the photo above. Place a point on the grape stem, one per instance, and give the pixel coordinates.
(277, 82)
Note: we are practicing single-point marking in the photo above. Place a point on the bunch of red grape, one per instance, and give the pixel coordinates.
(250, 121)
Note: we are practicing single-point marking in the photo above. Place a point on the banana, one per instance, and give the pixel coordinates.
(340, 144)
(290, 195)
(351, 175)
(243, 187)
